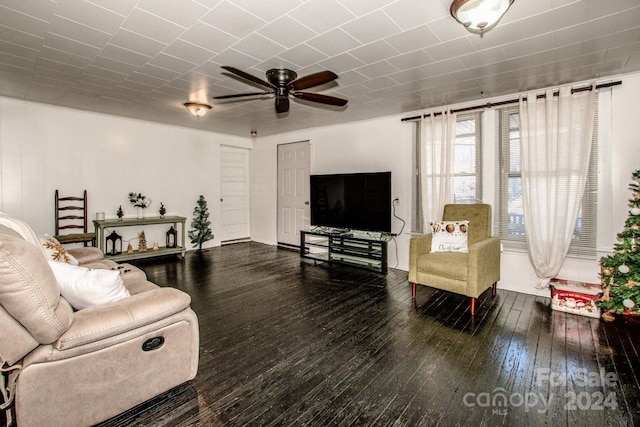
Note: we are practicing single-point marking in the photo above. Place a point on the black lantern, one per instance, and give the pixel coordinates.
(116, 244)
(172, 236)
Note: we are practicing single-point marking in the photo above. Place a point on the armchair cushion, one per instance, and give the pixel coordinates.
(87, 254)
(15, 340)
(28, 289)
(108, 320)
(478, 215)
(453, 265)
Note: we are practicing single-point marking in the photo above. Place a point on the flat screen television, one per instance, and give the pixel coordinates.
(358, 201)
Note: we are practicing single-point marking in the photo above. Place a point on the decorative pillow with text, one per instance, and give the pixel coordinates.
(450, 236)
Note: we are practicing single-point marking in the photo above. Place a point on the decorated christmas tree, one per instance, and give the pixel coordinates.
(621, 270)
(201, 226)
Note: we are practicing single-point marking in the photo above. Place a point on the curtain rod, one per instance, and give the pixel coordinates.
(511, 101)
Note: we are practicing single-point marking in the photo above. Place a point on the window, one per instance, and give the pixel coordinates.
(467, 180)
(510, 214)
(510, 209)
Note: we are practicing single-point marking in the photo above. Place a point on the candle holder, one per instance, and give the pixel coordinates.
(113, 244)
(172, 238)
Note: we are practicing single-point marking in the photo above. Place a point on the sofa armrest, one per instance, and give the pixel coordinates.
(484, 265)
(85, 255)
(117, 317)
(418, 245)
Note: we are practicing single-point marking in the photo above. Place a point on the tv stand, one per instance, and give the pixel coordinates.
(356, 248)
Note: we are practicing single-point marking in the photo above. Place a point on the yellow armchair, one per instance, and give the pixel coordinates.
(468, 274)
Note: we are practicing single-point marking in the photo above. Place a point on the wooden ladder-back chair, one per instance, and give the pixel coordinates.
(71, 214)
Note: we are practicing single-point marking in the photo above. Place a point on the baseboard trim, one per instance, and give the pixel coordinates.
(234, 241)
(288, 246)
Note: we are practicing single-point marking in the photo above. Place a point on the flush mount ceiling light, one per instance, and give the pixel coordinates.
(479, 16)
(197, 110)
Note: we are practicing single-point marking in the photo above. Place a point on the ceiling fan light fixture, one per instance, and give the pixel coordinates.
(479, 16)
(282, 83)
(196, 109)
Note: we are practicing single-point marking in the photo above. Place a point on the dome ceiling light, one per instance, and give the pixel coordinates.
(197, 110)
(479, 16)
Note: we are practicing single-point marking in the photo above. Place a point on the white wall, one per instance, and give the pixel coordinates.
(385, 144)
(44, 148)
(378, 145)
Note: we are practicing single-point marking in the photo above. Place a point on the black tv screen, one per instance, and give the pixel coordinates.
(358, 201)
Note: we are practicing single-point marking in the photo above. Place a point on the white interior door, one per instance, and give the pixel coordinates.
(234, 194)
(293, 191)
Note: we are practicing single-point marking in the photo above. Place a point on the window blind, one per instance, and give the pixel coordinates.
(509, 218)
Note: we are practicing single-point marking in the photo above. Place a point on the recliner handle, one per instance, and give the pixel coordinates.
(153, 343)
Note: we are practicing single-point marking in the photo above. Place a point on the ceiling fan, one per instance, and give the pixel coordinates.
(282, 83)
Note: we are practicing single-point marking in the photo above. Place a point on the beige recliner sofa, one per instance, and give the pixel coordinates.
(78, 368)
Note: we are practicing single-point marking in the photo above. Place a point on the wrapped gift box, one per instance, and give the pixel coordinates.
(575, 297)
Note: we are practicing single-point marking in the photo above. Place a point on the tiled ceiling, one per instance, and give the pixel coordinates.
(146, 58)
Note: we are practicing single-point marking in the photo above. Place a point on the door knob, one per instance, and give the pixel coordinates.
(306, 203)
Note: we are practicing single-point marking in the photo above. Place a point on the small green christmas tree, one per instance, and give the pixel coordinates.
(621, 270)
(120, 213)
(201, 226)
(162, 210)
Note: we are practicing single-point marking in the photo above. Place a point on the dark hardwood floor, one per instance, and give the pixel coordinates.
(285, 342)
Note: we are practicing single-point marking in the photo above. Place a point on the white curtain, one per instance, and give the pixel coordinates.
(555, 137)
(437, 144)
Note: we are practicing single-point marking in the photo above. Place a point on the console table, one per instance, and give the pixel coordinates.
(100, 225)
(359, 249)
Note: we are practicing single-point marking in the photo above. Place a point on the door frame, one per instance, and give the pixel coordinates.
(224, 147)
(307, 212)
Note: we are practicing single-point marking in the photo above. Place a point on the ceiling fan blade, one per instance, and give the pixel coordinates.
(312, 80)
(241, 95)
(318, 97)
(249, 77)
(282, 104)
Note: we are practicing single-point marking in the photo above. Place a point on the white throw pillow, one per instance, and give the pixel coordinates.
(83, 287)
(450, 236)
(54, 250)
